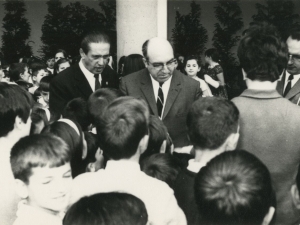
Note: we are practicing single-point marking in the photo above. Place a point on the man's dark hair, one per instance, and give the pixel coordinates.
(164, 167)
(210, 121)
(158, 133)
(14, 101)
(145, 49)
(234, 188)
(15, 70)
(107, 209)
(262, 53)
(77, 110)
(38, 150)
(95, 36)
(122, 126)
(100, 99)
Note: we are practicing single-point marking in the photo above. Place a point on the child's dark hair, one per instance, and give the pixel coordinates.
(191, 57)
(164, 167)
(37, 151)
(15, 70)
(45, 83)
(213, 53)
(36, 67)
(107, 209)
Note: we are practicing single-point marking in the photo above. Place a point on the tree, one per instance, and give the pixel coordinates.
(228, 13)
(279, 13)
(189, 36)
(16, 32)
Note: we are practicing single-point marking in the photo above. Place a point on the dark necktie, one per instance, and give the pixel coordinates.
(97, 83)
(289, 85)
(160, 100)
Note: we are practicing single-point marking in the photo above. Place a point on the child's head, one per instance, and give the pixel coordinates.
(159, 139)
(100, 99)
(234, 188)
(60, 54)
(50, 63)
(40, 165)
(39, 70)
(192, 65)
(123, 128)
(19, 71)
(61, 65)
(107, 208)
(45, 87)
(213, 123)
(164, 167)
(212, 55)
(72, 134)
(77, 110)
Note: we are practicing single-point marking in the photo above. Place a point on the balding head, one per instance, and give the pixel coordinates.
(159, 58)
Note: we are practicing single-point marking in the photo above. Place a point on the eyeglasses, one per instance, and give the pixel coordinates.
(160, 66)
(294, 57)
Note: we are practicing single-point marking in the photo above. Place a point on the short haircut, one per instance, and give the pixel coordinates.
(295, 33)
(72, 139)
(100, 99)
(37, 151)
(210, 121)
(61, 51)
(36, 67)
(14, 101)
(133, 63)
(262, 53)
(95, 36)
(122, 126)
(145, 49)
(15, 70)
(45, 83)
(158, 133)
(77, 110)
(60, 61)
(107, 209)
(164, 167)
(213, 53)
(234, 188)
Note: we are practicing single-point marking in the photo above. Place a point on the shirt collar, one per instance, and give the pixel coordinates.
(255, 93)
(195, 166)
(122, 165)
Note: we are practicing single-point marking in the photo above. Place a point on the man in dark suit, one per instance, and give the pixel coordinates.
(168, 92)
(289, 85)
(83, 79)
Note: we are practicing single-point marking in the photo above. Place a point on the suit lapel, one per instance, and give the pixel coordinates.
(81, 83)
(147, 89)
(174, 90)
(295, 90)
(280, 84)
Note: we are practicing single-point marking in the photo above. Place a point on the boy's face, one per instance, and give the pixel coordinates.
(41, 73)
(50, 63)
(45, 95)
(25, 76)
(49, 188)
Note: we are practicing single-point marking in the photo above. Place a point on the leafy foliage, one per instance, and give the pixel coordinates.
(64, 27)
(279, 13)
(16, 32)
(189, 36)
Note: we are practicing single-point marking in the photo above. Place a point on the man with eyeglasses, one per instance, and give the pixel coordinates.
(289, 85)
(82, 79)
(167, 91)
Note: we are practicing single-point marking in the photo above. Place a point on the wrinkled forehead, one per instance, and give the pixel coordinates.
(293, 46)
(160, 51)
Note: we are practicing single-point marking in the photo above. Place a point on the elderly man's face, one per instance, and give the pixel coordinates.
(97, 57)
(294, 56)
(161, 63)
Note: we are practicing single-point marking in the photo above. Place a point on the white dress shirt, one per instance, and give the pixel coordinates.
(294, 81)
(89, 76)
(165, 88)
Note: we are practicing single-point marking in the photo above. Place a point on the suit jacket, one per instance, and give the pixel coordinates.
(71, 83)
(294, 94)
(270, 129)
(182, 93)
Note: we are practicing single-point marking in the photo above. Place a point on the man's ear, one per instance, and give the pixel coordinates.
(145, 62)
(163, 147)
(21, 188)
(143, 144)
(81, 52)
(295, 196)
(268, 217)
(231, 141)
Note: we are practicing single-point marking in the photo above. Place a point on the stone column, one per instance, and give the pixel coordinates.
(137, 21)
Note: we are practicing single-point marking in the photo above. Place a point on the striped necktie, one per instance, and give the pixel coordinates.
(160, 100)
